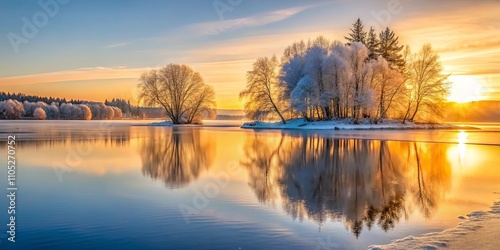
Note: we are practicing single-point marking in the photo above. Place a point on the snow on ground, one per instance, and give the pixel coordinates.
(205, 124)
(160, 124)
(345, 124)
(481, 230)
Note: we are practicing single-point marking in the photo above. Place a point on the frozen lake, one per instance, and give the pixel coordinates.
(98, 185)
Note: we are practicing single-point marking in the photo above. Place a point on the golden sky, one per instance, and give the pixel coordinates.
(91, 61)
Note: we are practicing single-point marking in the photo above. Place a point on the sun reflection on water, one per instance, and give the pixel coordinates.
(462, 146)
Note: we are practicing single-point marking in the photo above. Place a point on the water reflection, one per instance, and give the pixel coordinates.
(177, 157)
(360, 182)
(112, 137)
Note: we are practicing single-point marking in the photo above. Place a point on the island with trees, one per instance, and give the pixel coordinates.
(371, 81)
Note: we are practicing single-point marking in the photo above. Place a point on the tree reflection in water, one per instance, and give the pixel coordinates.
(359, 182)
(176, 158)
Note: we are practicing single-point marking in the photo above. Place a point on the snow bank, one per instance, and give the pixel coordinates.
(345, 124)
(481, 230)
(204, 124)
(160, 124)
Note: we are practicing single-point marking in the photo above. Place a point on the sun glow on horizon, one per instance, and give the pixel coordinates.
(465, 89)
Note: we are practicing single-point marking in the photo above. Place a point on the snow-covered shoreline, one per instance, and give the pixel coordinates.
(480, 230)
(345, 124)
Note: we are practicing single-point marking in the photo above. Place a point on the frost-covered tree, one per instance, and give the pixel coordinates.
(70, 112)
(358, 34)
(29, 108)
(297, 49)
(303, 98)
(337, 76)
(180, 91)
(388, 85)
(262, 89)
(85, 112)
(53, 111)
(314, 69)
(100, 111)
(356, 55)
(11, 109)
(335, 81)
(118, 113)
(291, 73)
(39, 114)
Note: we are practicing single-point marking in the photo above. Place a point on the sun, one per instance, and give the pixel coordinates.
(464, 89)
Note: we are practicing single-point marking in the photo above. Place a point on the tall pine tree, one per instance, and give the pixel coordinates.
(390, 50)
(372, 43)
(357, 33)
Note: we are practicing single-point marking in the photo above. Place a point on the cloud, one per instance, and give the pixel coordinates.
(466, 37)
(83, 74)
(117, 45)
(217, 27)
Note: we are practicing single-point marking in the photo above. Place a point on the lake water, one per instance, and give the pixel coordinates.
(111, 185)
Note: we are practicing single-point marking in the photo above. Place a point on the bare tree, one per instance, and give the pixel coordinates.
(387, 84)
(427, 86)
(180, 91)
(261, 92)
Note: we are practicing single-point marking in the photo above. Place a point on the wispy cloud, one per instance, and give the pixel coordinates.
(117, 45)
(217, 27)
(83, 74)
(467, 38)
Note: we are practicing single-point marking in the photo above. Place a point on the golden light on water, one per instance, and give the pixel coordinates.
(462, 146)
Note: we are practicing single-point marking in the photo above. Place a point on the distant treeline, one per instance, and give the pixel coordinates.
(13, 109)
(33, 98)
(124, 105)
(127, 110)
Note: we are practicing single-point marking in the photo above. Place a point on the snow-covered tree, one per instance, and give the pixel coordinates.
(39, 114)
(95, 109)
(297, 49)
(70, 111)
(117, 112)
(291, 73)
(85, 112)
(303, 98)
(337, 76)
(29, 108)
(11, 109)
(388, 85)
(356, 55)
(53, 112)
(314, 59)
(335, 81)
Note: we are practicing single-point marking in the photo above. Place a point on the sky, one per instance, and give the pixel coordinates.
(96, 50)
